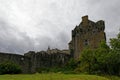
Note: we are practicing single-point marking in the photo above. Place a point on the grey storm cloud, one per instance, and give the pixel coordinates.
(36, 24)
(11, 40)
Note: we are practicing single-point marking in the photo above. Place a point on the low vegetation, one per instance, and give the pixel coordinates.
(9, 68)
(52, 76)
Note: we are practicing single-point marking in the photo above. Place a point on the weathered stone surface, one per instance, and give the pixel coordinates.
(43, 59)
(22, 61)
(31, 61)
(86, 34)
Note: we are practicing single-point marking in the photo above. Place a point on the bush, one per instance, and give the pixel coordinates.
(9, 68)
(71, 65)
(43, 70)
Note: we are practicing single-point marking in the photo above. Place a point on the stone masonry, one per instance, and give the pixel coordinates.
(22, 61)
(86, 34)
(31, 61)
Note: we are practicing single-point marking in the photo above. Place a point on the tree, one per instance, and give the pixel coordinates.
(87, 59)
(115, 43)
(114, 56)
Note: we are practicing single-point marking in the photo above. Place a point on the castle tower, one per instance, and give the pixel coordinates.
(87, 34)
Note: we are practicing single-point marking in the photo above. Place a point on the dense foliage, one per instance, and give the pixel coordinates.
(104, 60)
(9, 68)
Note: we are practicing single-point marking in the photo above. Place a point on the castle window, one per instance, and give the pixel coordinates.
(89, 26)
(101, 29)
(86, 42)
(94, 31)
(81, 31)
(77, 31)
(88, 30)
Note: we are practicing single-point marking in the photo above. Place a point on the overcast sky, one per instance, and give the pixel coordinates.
(36, 24)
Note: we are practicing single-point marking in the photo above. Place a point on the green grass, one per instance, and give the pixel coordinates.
(52, 76)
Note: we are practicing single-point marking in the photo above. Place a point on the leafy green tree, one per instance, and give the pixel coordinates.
(115, 43)
(87, 59)
(114, 56)
(71, 65)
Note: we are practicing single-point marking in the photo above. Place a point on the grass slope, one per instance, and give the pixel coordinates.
(51, 76)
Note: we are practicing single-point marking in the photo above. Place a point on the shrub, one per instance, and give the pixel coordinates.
(9, 68)
(71, 65)
(43, 70)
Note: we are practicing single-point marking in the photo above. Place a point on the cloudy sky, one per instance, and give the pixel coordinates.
(36, 24)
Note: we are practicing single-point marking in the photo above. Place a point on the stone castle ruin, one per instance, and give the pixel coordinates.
(88, 33)
(30, 62)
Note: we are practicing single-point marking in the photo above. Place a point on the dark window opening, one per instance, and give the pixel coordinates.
(86, 42)
(94, 31)
(89, 26)
(88, 30)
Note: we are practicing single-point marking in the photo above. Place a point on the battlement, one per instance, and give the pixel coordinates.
(85, 20)
(101, 24)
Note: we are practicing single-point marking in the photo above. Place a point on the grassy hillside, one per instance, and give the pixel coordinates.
(52, 76)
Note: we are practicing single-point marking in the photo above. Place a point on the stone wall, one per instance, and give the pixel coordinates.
(22, 61)
(43, 59)
(31, 61)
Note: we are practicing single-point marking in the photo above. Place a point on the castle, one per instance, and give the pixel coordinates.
(87, 34)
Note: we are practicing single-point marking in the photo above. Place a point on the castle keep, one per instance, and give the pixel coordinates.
(86, 34)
